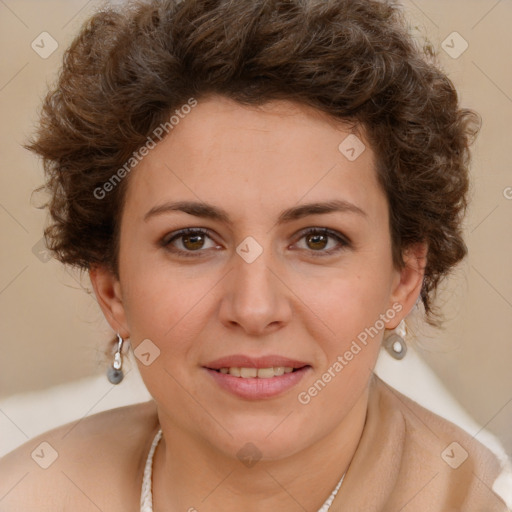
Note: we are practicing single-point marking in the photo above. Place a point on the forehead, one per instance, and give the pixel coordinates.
(259, 156)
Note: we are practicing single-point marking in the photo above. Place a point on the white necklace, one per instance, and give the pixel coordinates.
(146, 497)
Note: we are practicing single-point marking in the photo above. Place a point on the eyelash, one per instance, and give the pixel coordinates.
(343, 241)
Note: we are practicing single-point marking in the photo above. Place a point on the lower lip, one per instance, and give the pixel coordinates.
(256, 388)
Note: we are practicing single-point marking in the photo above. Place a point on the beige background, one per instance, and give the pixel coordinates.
(52, 332)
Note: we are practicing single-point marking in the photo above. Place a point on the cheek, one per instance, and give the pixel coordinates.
(351, 306)
(350, 347)
(170, 306)
(161, 306)
(172, 315)
(351, 302)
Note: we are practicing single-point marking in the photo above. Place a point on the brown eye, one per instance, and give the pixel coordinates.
(193, 242)
(317, 241)
(188, 241)
(322, 241)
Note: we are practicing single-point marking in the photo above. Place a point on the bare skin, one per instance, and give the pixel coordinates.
(305, 297)
(100, 454)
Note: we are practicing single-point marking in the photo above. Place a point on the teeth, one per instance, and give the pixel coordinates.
(246, 373)
(260, 373)
(265, 373)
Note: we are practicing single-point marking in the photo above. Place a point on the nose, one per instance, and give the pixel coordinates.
(255, 297)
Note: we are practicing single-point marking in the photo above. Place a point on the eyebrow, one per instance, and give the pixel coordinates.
(208, 211)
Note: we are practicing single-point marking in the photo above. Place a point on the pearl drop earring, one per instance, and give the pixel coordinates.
(395, 343)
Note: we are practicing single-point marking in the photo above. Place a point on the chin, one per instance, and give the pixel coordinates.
(263, 439)
(263, 448)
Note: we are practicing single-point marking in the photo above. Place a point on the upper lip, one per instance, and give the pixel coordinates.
(243, 361)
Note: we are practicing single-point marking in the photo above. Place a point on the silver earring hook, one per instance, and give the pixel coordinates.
(115, 373)
(118, 362)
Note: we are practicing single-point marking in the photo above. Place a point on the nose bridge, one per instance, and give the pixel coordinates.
(253, 284)
(255, 299)
(253, 277)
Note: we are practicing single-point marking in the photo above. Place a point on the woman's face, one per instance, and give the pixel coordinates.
(287, 263)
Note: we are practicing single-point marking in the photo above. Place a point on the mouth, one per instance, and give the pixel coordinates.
(257, 373)
(257, 378)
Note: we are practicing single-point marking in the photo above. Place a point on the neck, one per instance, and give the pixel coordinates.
(190, 475)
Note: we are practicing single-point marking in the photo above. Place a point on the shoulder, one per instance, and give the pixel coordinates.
(463, 470)
(79, 464)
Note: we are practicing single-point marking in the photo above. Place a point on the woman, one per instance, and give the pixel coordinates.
(259, 190)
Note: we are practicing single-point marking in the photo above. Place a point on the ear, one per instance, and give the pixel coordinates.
(107, 289)
(409, 281)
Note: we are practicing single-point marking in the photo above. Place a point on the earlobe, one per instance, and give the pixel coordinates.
(108, 293)
(410, 281)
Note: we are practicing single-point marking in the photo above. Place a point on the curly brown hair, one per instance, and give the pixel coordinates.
(354, 60)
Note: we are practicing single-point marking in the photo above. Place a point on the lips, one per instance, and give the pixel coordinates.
(256, 378)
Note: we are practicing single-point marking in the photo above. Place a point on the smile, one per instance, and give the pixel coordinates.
(257, 383)
(260, 373)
